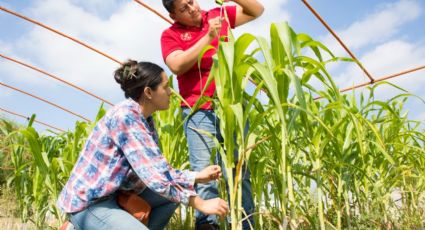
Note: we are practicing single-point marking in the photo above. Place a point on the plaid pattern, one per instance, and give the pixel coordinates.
(122, 153)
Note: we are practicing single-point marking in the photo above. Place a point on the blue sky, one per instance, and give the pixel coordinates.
(387, 36)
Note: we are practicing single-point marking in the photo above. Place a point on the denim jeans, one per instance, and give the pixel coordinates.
(108, 215)
(200, 150)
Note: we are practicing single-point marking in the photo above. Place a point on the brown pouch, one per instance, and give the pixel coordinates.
(135, 205)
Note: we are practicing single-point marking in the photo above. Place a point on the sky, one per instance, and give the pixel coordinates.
(387, 37)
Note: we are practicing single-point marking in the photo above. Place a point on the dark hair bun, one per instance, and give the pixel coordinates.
(126, 72)
(134, 77)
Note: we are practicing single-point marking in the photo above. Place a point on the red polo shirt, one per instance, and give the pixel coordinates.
(181, 37)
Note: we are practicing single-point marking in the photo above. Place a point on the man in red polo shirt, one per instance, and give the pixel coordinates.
(192, 31)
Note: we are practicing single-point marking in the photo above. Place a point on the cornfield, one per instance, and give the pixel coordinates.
(343, 161)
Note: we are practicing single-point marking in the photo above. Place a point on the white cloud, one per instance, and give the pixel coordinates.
(274, 11)
(389, 58)
(389, 52)
(12, 72)
(97, 6)
(124, 30)
(375, 28)
(5, 47)
(131, 31)
(5, 92)
(420, 117)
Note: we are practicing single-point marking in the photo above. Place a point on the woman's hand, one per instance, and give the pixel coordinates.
(212, 172)
(215, 206)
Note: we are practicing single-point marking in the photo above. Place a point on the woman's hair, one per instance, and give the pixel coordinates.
(135, 76)
(169, 5)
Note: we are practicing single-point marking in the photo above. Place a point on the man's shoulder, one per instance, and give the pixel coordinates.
(168, 30)
(172, 30)
(214, 12)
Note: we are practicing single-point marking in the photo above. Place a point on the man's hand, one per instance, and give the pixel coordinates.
(180, 61)
(214, 27)
(212, 172)
(215, 206)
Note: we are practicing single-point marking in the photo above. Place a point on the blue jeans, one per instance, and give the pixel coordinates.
(108, 215)
(200, 150)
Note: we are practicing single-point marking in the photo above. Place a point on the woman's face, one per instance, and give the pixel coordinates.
(161, 95)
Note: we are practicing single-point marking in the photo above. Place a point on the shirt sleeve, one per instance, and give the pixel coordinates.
(184, 178)
(231, 14)
(169, 43)
(135, 141)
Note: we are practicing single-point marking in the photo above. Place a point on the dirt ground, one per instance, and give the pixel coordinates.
(7, 223)
(8, 211)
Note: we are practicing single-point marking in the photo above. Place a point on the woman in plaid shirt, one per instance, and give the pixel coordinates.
(122, 153)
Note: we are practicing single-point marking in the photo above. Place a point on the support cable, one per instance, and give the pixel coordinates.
(46, 101)
(55, 77)
(28, 118)
(372, 80)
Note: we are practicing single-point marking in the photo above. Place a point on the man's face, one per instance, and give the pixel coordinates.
(187, 12)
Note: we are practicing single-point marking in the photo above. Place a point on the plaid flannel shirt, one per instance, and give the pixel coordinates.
(122, 152)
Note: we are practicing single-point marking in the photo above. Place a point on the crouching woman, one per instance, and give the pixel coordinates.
(122, 154)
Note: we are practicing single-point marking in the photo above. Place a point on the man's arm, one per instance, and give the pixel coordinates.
(247, 10)
(181, 61)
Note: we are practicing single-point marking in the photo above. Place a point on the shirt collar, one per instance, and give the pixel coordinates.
(133, 104)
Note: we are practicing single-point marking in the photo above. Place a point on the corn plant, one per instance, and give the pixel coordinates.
(6, 127)
(328, 160)
(42, 165)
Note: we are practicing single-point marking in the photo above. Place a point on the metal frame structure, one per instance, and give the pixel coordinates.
(372, 80)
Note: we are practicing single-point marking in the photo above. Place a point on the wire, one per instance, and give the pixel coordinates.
(46, 101)
(28, 118)
(56, 78)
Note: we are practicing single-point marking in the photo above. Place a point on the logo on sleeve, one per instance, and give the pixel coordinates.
(186, 36)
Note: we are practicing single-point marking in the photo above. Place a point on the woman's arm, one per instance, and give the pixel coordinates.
(132, 137)
(212, 172)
